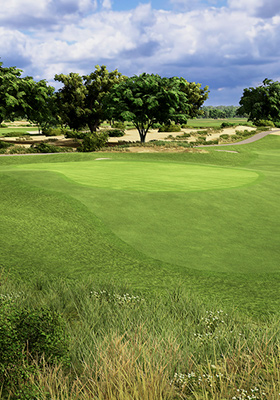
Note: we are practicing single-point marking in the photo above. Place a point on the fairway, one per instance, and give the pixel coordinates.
(152, 177)
(206, 221)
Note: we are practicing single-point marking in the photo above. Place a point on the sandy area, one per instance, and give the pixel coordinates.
(133, 135)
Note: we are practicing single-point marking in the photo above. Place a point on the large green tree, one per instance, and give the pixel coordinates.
(12, 93)
(147, 99)
(261, 102)
(80, 100)
(22, 97)
(40, 105)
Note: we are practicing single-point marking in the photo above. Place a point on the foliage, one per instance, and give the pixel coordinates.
(219, 112)
(40, 106)
(119, 125)
(261, 102)
(4, 145)
(124, 344)
(115, 132)
(80, 100)
(47, 148)
(27, 333)
(93, 142)
(170, 128)
(23, 97)
(148, 99)
(227, 125)
(264, 122)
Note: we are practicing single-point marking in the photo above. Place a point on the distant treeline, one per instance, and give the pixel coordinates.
(220, 112)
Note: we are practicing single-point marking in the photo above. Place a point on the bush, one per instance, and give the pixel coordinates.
(93, 142)
(115, 132)
(20, 150)
(156, 125)
(119, 125)
(52, 131)
(15, 134)
(224, 136)
(74, 134)
(45, 148)
(170, 128)
(4, 145)
(214, 141)
(227, 124)
(185, 135)
(28, 334)
(3, 126)
(264, 122)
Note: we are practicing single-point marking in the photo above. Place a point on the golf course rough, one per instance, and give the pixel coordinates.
(150, 176)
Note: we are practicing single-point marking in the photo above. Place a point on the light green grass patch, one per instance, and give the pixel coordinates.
(150, 176)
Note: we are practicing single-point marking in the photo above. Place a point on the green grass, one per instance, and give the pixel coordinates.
(4, 132)
(152, 221)
(215, 123)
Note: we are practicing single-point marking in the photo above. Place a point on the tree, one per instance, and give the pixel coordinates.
(261, 102)
(148, 99)
(80, 100)
(23, 97)
(40, 107)
(11, 93)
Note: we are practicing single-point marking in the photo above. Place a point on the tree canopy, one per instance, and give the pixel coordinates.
(147, 99)
(261, 102)
(11, 93)
(22, 97)
(80, 100)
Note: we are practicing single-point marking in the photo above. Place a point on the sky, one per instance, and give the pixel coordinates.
(227, 45)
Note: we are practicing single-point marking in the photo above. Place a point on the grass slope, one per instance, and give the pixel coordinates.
(57, 218)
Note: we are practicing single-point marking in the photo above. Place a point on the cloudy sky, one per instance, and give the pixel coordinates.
(225, 44)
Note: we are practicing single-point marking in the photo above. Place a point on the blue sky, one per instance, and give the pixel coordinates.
(226, 44)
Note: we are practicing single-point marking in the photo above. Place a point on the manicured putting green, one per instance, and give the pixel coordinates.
(150, 176)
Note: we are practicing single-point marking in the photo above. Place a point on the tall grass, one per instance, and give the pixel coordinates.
(173, 346)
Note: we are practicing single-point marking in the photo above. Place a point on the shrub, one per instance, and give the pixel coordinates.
(15, 134)
(115, 132)
(46, 148)
(185, 135)
(74, 134)
(4, 145)
(93, 142)
(156, 125)
(214, 141)
(119, 125)
(224, 136)
(52, 131)
(170, 128)
(20, 150)
(227, 124)
(3, 126)
(27, 334)
(264, 122)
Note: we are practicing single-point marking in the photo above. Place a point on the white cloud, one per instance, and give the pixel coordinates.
(107, 4)
(219, 46)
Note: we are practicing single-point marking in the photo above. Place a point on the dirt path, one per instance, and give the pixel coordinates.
(252, 139)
